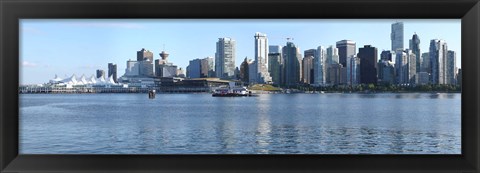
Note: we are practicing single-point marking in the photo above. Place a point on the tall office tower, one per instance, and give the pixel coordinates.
(397, 36)
(353, 70)
(146, 68)
(310, 52)
(320, 67)
(206, 67)
(274, 49)
(292, 60)
(244, 70)
(276, 65)
(438, 56)
(194, 68)
(387, 55)
(133, 68)
(112, 71)
(225, 58)
(401, 65)
(345, 48)
(261, 74)
(386, 72)
(450, 67)
(425, 63)
(307, 68)
(368, 64)
(144, 55)
(412, 67)
(100, 73)
(334, 73)
(415, 47)
(332, 55)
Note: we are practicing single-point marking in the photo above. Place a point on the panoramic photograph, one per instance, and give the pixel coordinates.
(240, 86)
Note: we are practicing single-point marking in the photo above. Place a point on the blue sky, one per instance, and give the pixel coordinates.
(81, 46)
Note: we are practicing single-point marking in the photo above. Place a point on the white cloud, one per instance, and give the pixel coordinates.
(29, 64)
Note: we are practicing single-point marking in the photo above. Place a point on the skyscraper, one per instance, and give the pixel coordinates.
(244, 70)
(100, 73)
(438, 57)
(386, 72)
(397, 36)
(353, 70)
(292, 65)
(194, 68)
(206, 67)
(261, 74)
(112, 71)
(415, 47)
(425, 63)
(405, 67)
(320, 67)
(274, 49)
(450, 67)
(225, 58)
(133, 68)
(368, 64)
(146, 68)
(309, 52)
(276, 66)
(307, 68)
(144, 55)
(332, 55)
(346, 48)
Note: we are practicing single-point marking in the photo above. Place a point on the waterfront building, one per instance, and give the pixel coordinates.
(251, 66)
(244, 70)
(438, 56)
(423, 78)
(346, 48)
(206, 67)
(307, 68)
(112, 71)
(276, 66)
(261, 74)
(397, 36)
(320, 67)
(163, 68)
(386, 72)
(146, 68)
(450, 67)
(405, 66)
(425, 63)
(368, 64)
(415, 47)
(180, 73)
(353, 70)
(387, 55)
(335, 71)
(332, 55)
(225, 58)
(292, 69)
(143, 55)
(133, 68)
(194, 68)
(100, 73)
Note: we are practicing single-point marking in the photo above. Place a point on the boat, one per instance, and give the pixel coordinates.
(233, 92)
(151, 94)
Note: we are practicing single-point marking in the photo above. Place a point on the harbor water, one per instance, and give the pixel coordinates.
(333, 123)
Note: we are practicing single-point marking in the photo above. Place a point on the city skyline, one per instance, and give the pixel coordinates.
(116, 41)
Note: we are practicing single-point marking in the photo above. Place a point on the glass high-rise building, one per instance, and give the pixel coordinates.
(194, 68)
(368, 64)
(112, 71)
(438, 56)
(415, 47)
(261, 74)
(225, 58)
(292, 67)
(387, 55)
(353, 70)
(320, 67)
(276, 66)
(307, 70)
(100, 73)
(133, 68)
(397, 36)
(346, 48)
(450, 67)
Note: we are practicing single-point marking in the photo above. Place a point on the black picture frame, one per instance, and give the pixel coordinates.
(13, 10)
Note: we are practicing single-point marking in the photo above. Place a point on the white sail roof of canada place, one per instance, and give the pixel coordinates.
(82, 80)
